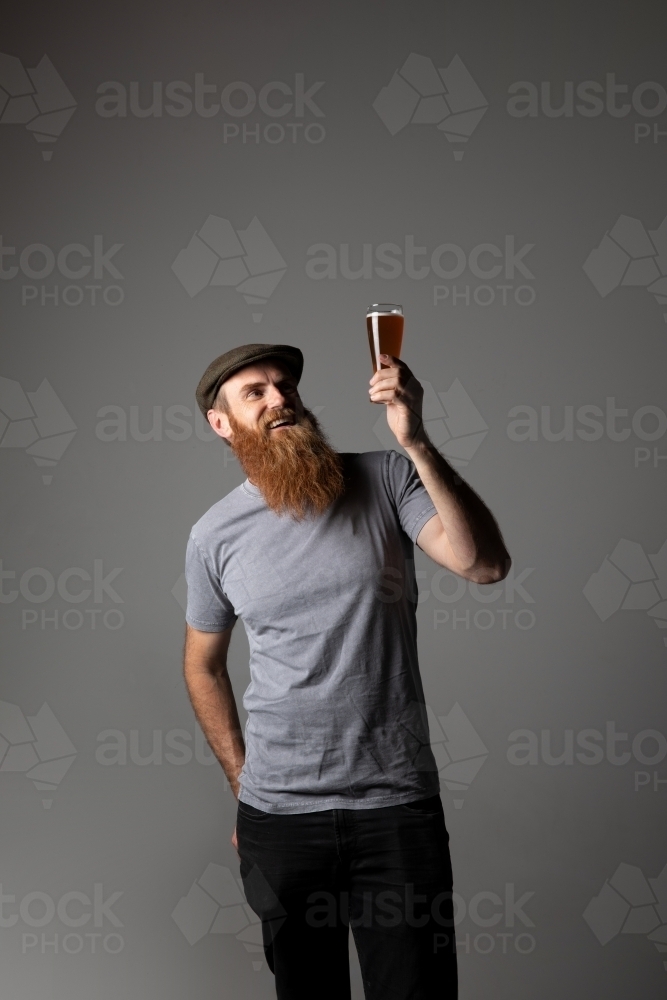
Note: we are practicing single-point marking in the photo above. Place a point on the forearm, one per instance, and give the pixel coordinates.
(215, 707)
(470, 528)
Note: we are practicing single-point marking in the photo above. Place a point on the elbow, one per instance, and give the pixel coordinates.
(490, 570)
(502, 566)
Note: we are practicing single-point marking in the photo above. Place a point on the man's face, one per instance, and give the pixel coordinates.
(279, 443)
(259, 396)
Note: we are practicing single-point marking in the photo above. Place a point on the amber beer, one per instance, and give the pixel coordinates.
(384, 323)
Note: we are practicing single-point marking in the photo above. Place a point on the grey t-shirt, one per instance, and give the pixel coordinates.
(335, 703)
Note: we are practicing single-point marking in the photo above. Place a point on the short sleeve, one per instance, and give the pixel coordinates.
(208, 608)
(413, 504)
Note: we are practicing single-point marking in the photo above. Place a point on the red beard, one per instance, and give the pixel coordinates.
(296, 469)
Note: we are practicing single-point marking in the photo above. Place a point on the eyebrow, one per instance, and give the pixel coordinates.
(259, 385)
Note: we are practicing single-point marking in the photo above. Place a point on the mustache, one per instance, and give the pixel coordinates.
(282, 413)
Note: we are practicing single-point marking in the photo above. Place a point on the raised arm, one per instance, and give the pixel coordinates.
(463, 536)
(210, 691)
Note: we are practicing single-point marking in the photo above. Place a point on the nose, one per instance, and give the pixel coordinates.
(275, 399)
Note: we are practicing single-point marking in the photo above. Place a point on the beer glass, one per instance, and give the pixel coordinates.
(384, 323)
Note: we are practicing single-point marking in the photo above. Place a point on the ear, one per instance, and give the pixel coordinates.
(219, 421)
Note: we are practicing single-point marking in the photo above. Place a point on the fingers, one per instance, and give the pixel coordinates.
(386, 379)
(389, 359)
(387, 396)
(388, 382)
(395, 385)
(397, 369)
(386, 359)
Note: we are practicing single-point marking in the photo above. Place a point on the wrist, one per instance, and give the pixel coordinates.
(420, 443)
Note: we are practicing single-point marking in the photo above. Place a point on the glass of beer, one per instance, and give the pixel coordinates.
(384, 323)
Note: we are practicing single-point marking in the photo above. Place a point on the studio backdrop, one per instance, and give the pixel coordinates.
(179, 179)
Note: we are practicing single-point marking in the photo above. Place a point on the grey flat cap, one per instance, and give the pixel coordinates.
(239, 357)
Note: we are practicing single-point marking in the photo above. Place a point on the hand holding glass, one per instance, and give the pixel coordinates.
(384, 323)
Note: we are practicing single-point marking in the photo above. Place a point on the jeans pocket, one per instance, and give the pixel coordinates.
(424, 807)
(248, 811)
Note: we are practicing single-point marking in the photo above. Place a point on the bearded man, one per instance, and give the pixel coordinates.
(339, 820)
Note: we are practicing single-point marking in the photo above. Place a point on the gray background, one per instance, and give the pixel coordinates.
(148, 831)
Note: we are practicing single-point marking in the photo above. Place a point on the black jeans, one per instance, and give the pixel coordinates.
(386, 873)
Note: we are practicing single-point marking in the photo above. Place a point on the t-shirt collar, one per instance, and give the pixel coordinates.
(250, 488)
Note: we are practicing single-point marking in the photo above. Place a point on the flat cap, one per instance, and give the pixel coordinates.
(239, 357)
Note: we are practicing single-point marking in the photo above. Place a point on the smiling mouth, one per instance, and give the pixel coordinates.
(285, 422)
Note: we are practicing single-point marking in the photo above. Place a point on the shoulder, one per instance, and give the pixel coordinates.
(390, 465)
(387, 471)
(367, 461)
(219, 515)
